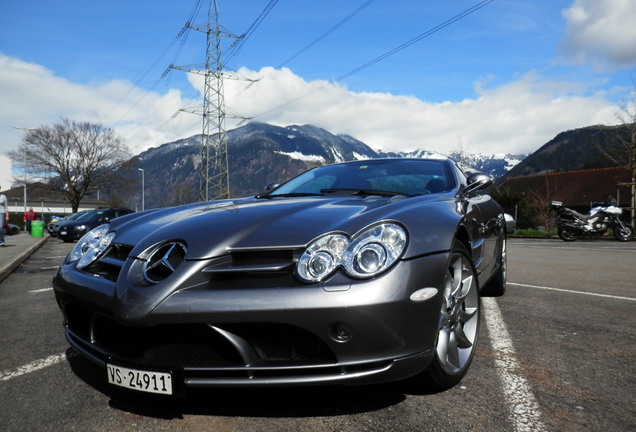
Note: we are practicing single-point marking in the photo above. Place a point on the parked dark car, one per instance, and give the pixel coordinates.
(354, 273)
(74, 229)
(54, 226)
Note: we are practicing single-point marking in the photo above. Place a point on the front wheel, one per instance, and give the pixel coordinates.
(567, 234)
(624, 232)
(459, 323)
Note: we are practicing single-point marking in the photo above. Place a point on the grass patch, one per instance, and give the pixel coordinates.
(533, 233)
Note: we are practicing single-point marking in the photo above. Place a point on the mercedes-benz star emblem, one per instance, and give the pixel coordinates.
(163, 261)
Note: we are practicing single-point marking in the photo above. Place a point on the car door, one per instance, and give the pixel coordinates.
(491, 226)
(484, 220)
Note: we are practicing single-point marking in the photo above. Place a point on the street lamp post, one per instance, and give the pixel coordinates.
(143, 190)
(25, 205)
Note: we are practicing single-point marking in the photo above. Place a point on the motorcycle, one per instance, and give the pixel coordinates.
(572, 225)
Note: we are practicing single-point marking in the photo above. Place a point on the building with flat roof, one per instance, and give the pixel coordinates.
(45, 201)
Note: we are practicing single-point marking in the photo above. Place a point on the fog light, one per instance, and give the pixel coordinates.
(340, 332)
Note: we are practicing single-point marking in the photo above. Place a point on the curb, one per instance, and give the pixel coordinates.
(6, 270)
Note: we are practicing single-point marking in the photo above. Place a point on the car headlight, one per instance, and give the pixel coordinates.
(79, 227)
(374, 250)
(367, 254)
(91, 246)
(322, 257)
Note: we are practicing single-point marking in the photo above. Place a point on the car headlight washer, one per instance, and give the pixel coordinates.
(91, 246)
(367, 254)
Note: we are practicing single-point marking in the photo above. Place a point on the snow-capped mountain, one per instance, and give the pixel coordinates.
(259, 153)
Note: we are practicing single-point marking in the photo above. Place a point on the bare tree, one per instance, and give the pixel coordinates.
(627, 115)
(540, 207)
(624, 155)
(80, 155)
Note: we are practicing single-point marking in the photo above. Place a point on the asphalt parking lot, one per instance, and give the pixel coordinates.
(556, 353)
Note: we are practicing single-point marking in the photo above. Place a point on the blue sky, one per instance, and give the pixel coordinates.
(505, 78)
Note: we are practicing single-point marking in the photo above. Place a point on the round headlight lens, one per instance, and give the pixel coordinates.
(91, 246)
(321, 257)
(370, 258)
(374, 250)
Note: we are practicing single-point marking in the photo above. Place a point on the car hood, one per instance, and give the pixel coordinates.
(211, 229)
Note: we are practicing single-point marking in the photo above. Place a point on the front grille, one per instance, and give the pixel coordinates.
(239, 268)
(197, 345)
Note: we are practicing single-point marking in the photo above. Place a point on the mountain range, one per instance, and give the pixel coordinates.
(259, 153)
(578, 149)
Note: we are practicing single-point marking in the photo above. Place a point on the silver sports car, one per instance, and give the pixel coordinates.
(354, 273)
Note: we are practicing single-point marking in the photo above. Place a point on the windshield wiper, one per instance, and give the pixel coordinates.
(290, 195)
(363, 192)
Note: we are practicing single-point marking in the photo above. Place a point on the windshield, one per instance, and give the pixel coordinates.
(390, 177)
(75, 216)
(91, 215)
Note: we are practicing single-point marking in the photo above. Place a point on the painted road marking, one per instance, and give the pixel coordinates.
(32, 367)
(523, 409)
(35, 291)
(574, 292)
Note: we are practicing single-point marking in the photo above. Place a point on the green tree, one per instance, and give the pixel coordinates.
(81, 156)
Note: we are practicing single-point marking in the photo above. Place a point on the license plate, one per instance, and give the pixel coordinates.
(62, 232)
(140, 380)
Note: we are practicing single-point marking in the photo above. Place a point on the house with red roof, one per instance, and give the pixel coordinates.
(576, 189)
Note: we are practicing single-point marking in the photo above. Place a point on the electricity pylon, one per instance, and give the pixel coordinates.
(214, 180)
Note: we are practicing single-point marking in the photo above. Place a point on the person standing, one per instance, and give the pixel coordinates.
(4, 216)
(29, 217)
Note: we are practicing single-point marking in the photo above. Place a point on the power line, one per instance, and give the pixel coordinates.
(193, 14)
(415, 39)
(238, 44)
(387, 54)
(325, 34)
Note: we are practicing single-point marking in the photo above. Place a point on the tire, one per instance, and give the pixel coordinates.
(496, 286)
(626, 233)
(459, 324)
(566, 234)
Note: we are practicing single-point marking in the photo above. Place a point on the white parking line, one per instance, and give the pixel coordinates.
(523, 409)
(32, 367)
(35, 291)
(574, 292)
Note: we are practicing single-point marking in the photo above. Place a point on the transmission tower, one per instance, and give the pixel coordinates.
(214, 181)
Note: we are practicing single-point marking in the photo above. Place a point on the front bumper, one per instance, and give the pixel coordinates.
(70, 234)
(259, 333)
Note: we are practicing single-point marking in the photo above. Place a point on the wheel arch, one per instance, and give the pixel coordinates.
(462, 236)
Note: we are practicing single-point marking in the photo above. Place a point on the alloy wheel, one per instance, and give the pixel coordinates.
(460, 317)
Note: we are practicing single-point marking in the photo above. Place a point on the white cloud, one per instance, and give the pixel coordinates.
(33, 95)
(601, 31)
(517, 117)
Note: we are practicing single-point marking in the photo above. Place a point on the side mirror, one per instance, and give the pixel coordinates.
(270, 187)
(477, 181)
